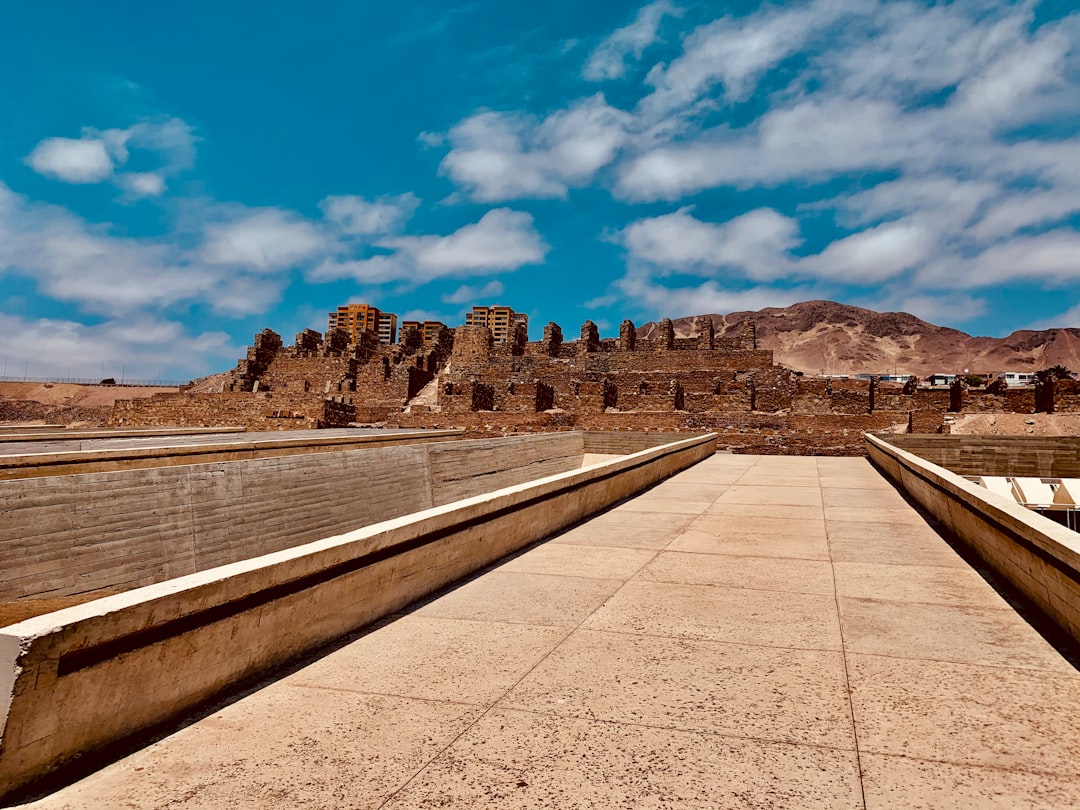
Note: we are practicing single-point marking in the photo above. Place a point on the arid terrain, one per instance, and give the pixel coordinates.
(825, 337)
(63, 403)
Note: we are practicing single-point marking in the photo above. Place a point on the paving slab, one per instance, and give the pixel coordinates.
(756, 692)
(902, 783)
(967, 714)
(931, 584)
(759, 573)
(945, 633)
(738, 615)
(540, 599)
(567, 559)
(431, 658)
(513, 759)
(799, 543)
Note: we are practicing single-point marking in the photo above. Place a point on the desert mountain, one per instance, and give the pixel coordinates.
(817, 336)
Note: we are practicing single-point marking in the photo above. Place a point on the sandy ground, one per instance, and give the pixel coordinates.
(1017, 424)
(71, 394)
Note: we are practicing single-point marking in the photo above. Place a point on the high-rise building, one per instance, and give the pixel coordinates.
(500, 320)
(355, 318)
(429, 330)
(387, 328)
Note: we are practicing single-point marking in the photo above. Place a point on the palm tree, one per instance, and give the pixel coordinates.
(1060, 372)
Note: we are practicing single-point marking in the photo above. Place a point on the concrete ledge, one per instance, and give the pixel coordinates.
(27, 433)
(37, 465)
(1039, 557)
(76, 681)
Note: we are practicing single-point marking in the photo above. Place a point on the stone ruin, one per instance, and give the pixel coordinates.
(664, 382)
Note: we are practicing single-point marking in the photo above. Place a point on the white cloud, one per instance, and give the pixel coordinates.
(1069, 319)
(73, 160)
(875, 254)
(358, 217)
(267, 239)
(736, 52)
(95, 156)
(500, 156)
(608, 61)
(754, 244)
(97, 271)
(142, 184)
(466, 294)
(1047, 257)
(501, 241)
(145, 348)
(680, 302)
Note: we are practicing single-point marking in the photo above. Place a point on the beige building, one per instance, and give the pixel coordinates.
(500, 320)
(429, 329)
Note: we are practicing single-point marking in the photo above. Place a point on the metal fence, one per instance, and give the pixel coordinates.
(122, 381)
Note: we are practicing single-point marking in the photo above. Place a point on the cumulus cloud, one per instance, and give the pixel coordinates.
(73, 160)
(235, 267)
(95, 157)
(608, 60)
(468, 294)
(144, 348)
(502, 240)
(501, 156)
(754, 244)
(267, 239)
(358, 217)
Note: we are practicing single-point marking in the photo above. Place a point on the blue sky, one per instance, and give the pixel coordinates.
(174, 178)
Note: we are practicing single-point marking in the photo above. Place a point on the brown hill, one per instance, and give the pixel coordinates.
(831, 338)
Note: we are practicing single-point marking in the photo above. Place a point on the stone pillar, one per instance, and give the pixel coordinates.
(706, 334)
(590, 338)
(749, 334)
(956, 395)
(552, 341)
(873, 394)
(627, 336)
(667, 334)
(518, 338)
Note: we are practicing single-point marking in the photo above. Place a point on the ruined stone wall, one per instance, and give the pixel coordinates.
(263, 410)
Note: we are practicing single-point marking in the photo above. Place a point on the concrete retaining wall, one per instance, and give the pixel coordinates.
(80, 679)
(1028, 456)
(74, 534)
(1039, 557)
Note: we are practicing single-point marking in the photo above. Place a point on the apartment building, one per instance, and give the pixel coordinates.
(500, 320)
(355, 318)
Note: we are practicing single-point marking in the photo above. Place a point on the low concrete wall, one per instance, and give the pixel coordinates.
(71, 462)
(1039, 557)
(78, 680)
(76, 534)
(1026, 456)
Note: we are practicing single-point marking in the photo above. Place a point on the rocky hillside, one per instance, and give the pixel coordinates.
(817, 336)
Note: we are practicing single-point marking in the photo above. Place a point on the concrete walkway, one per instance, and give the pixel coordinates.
(755, 632)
